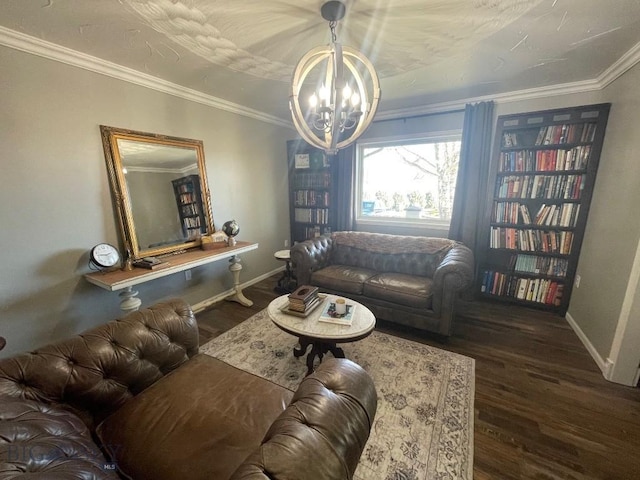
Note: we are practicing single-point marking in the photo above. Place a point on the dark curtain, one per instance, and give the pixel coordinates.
(470, 202)
(345, 172)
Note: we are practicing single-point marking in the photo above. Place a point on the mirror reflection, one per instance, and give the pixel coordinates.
(160, 189)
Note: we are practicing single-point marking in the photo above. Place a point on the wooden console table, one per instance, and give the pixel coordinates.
(125, 280)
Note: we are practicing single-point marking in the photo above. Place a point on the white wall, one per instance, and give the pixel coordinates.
(55, 202)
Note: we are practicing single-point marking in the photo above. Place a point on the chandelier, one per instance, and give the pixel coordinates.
(341, 88)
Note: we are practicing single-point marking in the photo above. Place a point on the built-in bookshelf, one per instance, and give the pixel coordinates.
(189, 201)
(311, 191)
(546, 164)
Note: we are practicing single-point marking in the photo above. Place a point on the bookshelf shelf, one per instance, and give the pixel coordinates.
(311, 191)
(545, 167)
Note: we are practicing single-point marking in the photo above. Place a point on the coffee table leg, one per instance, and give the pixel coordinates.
(318, 349)
(335, 350)
(304, 345)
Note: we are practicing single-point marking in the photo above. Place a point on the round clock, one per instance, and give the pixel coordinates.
(104, 255)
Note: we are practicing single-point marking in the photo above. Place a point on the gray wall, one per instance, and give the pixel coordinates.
(55, 202)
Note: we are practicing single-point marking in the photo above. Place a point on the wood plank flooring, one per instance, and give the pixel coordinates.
(543, 409)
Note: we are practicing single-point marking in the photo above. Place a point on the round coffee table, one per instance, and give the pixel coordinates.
(321, 336)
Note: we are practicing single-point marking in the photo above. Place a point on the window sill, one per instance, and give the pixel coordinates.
(404, 223)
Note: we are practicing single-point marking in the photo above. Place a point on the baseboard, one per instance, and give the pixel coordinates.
(604, 365)
(207, 302)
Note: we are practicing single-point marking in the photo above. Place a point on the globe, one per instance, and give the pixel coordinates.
(231, 228)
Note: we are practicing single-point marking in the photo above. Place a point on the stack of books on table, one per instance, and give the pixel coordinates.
(303, 299)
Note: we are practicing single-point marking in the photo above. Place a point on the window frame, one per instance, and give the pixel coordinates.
(416, 223)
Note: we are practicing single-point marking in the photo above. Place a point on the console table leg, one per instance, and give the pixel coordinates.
(237, 296)
(129, 302)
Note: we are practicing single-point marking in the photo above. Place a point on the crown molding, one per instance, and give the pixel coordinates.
(622, 65)
(515, 96)
(52, 51)
(42, 48)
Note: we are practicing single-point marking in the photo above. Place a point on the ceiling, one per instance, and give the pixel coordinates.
(425, 51)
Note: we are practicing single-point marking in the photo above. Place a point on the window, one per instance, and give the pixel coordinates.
(408, 181)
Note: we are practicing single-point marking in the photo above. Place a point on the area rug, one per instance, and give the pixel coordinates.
(423, 428)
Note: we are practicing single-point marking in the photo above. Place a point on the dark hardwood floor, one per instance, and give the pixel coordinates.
(543, 409)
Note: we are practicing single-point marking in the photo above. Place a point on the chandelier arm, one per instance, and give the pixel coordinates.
(338, 87)
(368, 113)
(305, 65)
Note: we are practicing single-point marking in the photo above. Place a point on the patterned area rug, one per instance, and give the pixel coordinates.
(423, 428)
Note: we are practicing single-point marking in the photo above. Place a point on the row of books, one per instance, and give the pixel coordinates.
(551, 135)
(311, 198)
(185, 187)
(189, 209)
(527, 240)
(316, 231)
(311, 215)
(566, 133)
(565, 215)
(191, 222)
(545, 160)
(553, 266)
(567, 187)
(539, 290)
(187, 198)
(555, 215)
(312, 180)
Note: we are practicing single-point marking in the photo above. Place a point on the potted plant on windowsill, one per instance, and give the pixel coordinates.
(415, 205)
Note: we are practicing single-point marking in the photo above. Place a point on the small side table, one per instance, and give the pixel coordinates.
(286, 283)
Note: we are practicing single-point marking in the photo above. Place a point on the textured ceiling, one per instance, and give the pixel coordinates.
(425, 51)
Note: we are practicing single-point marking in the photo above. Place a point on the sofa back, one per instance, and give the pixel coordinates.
(389, 253)
(95, 372)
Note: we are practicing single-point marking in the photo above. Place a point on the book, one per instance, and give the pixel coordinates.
(150, 265)
(312, 307)
(329, 314)
(303, 294)
(304, 307)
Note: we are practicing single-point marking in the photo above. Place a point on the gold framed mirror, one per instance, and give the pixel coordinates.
(160, 191)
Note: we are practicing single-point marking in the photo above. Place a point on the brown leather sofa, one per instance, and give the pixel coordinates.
(409, 280)
(134, 399)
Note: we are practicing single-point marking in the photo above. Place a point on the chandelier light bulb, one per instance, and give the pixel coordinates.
(324, 95)
(355, 99)
(346, 93)
(313, 101)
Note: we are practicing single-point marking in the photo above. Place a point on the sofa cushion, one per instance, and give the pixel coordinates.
(410, 290)
(42, 441)
(199, 422)
(342, 277)
(390, 253)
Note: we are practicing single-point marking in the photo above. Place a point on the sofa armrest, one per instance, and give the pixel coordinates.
(453, 275)
(329, 418)
(309, 256)
(95, 372)
(45, 441)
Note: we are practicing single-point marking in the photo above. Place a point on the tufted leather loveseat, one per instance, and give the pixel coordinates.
(409, 280)
(135, 396)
